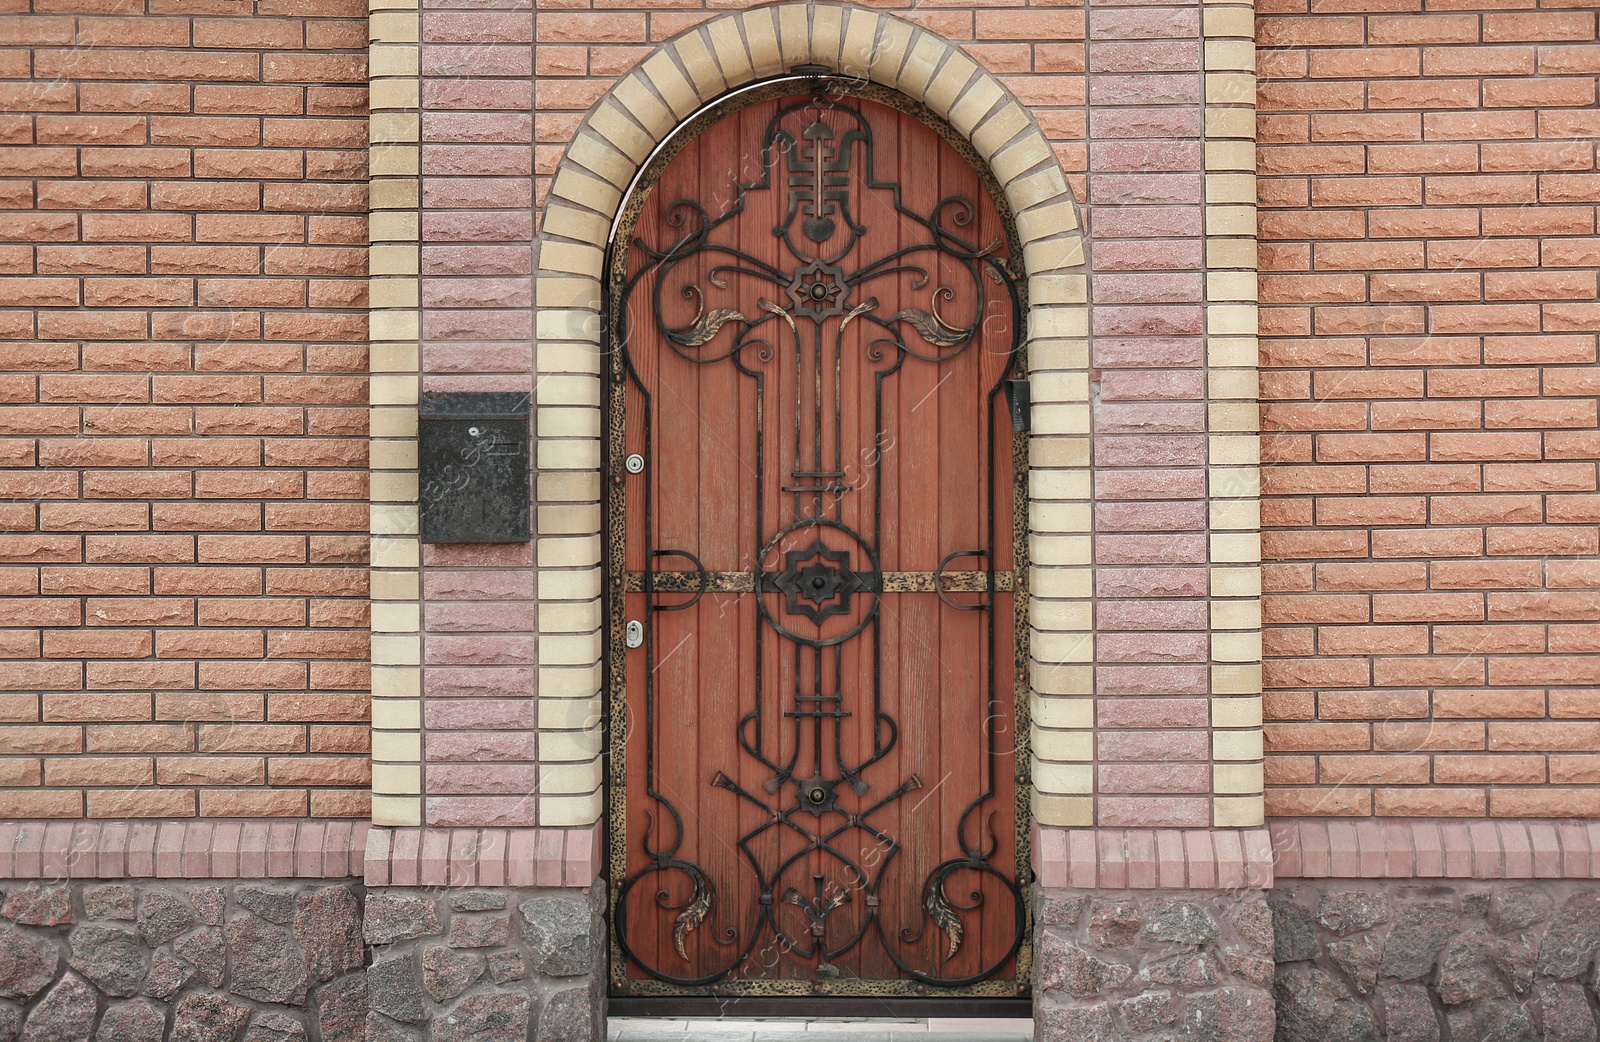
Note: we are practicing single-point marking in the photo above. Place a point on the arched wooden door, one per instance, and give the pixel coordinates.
(815, 615)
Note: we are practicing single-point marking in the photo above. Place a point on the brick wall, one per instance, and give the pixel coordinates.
(182, 408)
(492, 82)
(1428, 259)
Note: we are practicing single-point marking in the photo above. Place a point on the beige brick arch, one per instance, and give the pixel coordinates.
(617, 137)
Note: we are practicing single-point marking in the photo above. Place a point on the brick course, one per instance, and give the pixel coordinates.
(1428, 345)
(182, 410)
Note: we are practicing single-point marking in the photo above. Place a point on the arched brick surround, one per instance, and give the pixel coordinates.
(618, 136)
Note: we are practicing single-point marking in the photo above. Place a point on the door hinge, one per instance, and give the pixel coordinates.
(1019, 399)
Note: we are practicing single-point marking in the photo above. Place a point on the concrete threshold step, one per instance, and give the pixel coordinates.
(820, 1030)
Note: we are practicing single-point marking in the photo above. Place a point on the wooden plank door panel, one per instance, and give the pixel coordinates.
(814, 744)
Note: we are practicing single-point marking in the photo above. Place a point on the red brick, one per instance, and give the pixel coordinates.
(1541, 27)
(1430, 803)
(138, 738)
(141, 803)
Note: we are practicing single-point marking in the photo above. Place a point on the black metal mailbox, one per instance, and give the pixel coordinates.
(472, 455)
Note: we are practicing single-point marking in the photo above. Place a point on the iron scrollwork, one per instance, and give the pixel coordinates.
(815, 566)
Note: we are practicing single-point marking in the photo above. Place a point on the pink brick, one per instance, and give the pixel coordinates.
(336, 850)
(522, 857)
(1171, 870)
(1154, 777)
(30, 851)
(1135, 23)
(1114, 549)
(1154, 483)
(1138, 89)
(8, 850)
(1518, 849)
(441, 95)
(280, 849)
(1399, 859)
(1151, 747)
(1142, 859)
(197, 849)
(1258, 859)
(356, 855)
(112, 856)
(1146, 223)
(405, 867)
(1202, 859)
(1230, 858)
(492, 857)
(1344, 851)
(468, 682)
(253, 850)
(225, 849)
(434, 858)
(1049, 855)
(506, 127)
(594, 852)
(480, 747)
(1176, 124)
(1487, 859)
(82, 857)
(141, 850)
(1285, 837)
(1316, 853)
(1132, 450)
(1457, 848)
(1592, 833)
(1149, 417)
(1152, 615)
(481, 811)
(499, 556)
(1430, 849)
(308, 849)
(551, 850)
(169, 849)
(474, 27)
(1143, 56)
(1154, 517)
(57, 842)
(577, 863)
(375, 858)
(1573, 841)
(1083, 859)
(1113, 859)
(1546, 849)
(464, 857)
(1369, 839)
(489, 62)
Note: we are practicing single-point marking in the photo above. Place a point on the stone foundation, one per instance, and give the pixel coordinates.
(182, 961)
(1152, 965)
(298, 961)
(1363, 960)
(503, 964)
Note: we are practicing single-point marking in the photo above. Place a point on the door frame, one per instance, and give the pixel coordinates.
(1010, 997)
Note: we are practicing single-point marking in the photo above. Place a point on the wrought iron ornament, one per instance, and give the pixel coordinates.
(817, 581)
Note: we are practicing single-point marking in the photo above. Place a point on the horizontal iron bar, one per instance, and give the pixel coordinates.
(814, 1006)
(888, 582)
